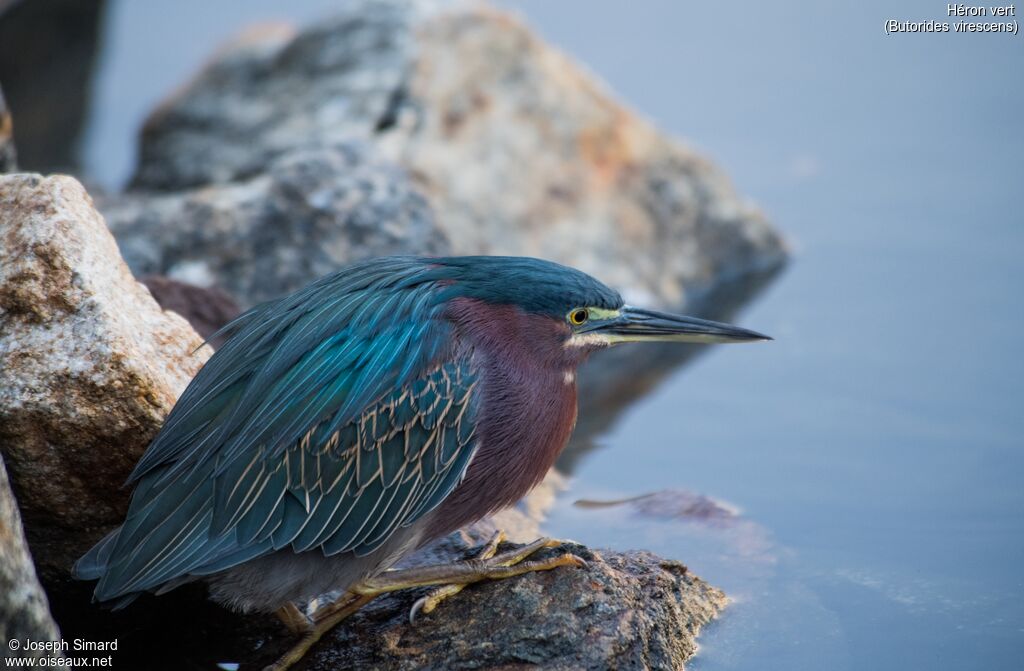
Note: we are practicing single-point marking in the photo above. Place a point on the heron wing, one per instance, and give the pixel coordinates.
(330, 418)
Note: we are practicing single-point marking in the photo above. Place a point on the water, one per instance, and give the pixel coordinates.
(874, 449)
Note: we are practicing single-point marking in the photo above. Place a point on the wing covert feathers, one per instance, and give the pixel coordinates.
(329, 419)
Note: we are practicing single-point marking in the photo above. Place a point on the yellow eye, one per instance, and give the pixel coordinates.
(578, 316)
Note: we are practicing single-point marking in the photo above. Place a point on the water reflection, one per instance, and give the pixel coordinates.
(773, 612)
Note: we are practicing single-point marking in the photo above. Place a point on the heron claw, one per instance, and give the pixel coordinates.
(429, 602)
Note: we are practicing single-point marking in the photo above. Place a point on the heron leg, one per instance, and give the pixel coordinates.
(323, 620)
(430, 601)
(293, 618)
(452, 578)
(449, 578)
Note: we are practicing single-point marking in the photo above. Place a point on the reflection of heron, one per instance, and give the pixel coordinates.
(342, 427)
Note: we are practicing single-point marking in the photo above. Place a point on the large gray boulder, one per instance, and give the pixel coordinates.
(515, 147)
(305, 214)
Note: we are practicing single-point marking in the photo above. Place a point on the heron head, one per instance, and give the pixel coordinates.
(583, 313)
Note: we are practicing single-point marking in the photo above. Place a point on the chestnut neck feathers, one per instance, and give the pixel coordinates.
(528, 406)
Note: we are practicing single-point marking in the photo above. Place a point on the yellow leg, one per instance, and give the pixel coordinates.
(294, 619)
(450, 577)
(322, 625)
(328, 609)
(505, 565)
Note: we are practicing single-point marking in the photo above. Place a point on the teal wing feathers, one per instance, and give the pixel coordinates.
(329, 419)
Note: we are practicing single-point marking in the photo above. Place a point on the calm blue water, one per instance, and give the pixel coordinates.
(875, 447)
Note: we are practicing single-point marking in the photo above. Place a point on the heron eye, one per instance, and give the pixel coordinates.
(578, 316)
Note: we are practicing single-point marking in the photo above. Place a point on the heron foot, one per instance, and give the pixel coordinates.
(430, 601)
(493, 566)
(449, 579)
(504, 565)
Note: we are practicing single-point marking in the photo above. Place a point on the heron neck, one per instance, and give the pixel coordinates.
(527, 409)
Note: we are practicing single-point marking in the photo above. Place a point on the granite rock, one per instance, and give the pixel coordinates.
(89, 366)
(24, 613)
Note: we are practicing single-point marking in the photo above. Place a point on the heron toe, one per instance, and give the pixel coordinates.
(494, 567)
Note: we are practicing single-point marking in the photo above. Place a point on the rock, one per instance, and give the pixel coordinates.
(308, 213)
(205, 308)
(559, 168)
(24, 613)
(355, 62)
(89, 366)
(517, 149)
(628, 610)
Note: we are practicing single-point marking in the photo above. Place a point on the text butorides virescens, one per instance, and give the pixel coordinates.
(342, 427)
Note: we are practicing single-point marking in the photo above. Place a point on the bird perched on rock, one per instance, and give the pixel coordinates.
(342, 427)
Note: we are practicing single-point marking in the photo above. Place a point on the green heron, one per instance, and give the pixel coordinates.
(342, 427)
